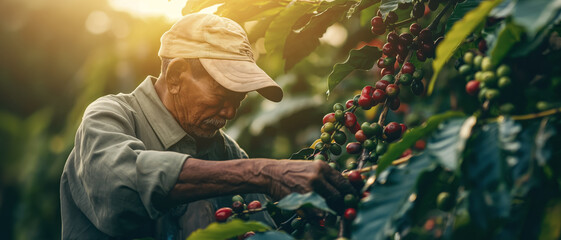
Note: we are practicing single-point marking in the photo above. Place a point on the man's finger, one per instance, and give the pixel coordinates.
(342, 184)
(332, 196)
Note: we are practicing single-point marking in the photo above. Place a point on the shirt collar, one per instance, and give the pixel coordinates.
(160, 119)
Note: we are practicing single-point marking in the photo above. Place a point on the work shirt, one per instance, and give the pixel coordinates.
(127, 156)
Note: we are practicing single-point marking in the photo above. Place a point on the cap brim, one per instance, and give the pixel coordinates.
(242, 76)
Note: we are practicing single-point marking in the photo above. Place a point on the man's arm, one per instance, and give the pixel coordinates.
(200, 179)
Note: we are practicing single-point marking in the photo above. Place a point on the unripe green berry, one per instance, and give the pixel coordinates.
(319, 156)
(489, 78)
(352, 164)
(504, 82)
(237, 198)
(477, 61)
(479, 76)
(465, 69)
(492, 94)
(389, 61)
(390, 78)
(340, 115)
(418, 74)
(328, 127)
(338, 106)
(482, 92)
(369, 144)
(542, 106)
(503, 70)
(507, 108)
(319, 145)
(325, 137)
(486, 64)
(381, 148)
(405, 79)
(335, 149)
(468, 57)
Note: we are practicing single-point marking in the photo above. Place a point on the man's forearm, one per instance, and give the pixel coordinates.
(201, 179)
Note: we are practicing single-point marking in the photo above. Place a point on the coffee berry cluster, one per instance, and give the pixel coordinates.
(239, 209)
(485, 81)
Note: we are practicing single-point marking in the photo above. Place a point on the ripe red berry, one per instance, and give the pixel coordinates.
(392, 90)
(353, 148)
(400, 58)
(392, 131)
(472, 87)
(401, 50)
(482, 45)
(367, 90)
(417, 87)
(365, 101)
(425, 35)
(381, 62)
(377, 22)
(420, 144)
(408, 68)
(421, 56)
(389, 50)
(379, 96)
(386, 71)
(382, 84)
(330, 117)
(415, 28)
(354, 176)
(406, 39)
(349, 103)
(406, 153)
(254, 205)
(350, 119)
(392, 37)
(222, 214)
(391, 18)
(247, 235)
(427, 49)
(360, 136)
(350, 214)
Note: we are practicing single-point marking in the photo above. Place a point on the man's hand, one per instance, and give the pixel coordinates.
(286, 176)
(200, 179)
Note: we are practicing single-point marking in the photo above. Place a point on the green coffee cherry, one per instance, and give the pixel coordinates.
(504, 82)
(492, 94)
(507, 108)
(381, 148)
(468, 57)
(237, 198)
(465, 69)
(340, 115)
(479, 76)
(489, 78)
(328, 127)
(477, 61)
(503, 70)
(405, 79)
(335, 149)
(338, 106)
(486, 64)
(542, 106)
(418, 74)
(339, 137)
(325, 138)
(369, 144)
(390, 78)
(389, 61)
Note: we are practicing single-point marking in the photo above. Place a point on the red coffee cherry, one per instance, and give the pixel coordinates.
(222, 214)
(349, 103)
(406, 39)
(389, 50)
(381, 63)
(350, 214)
(407, 68)
(392, 90)
(350, 119)
(472, 87)
(425, 35)
(379, 96)
(392, 131)
(415, 29)
(354, 176)
(394, 104)
(386, 71)
(254, 205)
(330, 117)
(382, 84)
(391, 18)
(354, 148)
(360, 136)
(392, 37)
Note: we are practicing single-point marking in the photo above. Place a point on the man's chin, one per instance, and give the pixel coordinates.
(203, 133)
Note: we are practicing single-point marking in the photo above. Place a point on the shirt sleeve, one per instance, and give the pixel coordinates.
(114, 180)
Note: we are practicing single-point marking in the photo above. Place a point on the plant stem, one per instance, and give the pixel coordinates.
(401, 23)
(368, 169)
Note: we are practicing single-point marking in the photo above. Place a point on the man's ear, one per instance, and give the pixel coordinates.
(175, 69)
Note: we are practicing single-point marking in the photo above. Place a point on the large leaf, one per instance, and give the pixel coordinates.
(221, 231)
(457, 35)
(460, 11)
(295, 201)
(271, 235)
(302, 42)
(279, 29)
(363, 59)
(387, 6)
(509, 35)
(396, 149)
(533, 15)
(387, 196)
(302, 154)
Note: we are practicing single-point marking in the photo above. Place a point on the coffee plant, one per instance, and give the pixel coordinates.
(485, 168)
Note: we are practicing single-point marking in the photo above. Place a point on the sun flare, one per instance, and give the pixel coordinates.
(150, 8)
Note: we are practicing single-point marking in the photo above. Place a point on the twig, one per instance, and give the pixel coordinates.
(368, 169)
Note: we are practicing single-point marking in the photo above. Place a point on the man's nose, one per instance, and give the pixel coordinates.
(228, 112)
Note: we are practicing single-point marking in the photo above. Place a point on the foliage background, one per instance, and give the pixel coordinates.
(52, 67)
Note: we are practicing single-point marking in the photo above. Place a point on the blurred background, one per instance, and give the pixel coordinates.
(57, 56)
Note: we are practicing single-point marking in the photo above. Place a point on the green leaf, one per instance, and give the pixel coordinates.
(279, 29)
(302, 42)
(460, 11)
(296, 200)
(533, 15)
(193, 6)
(358, 59)
(271, 235)
(221, 231)
(457, 35)
(396, 149)
(387, 196)
(551, 224)
(509, 35)
(387, 6)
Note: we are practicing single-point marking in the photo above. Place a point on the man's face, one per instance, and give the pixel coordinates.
(206, 105)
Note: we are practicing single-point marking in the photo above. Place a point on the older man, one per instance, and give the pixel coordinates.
(150, 163)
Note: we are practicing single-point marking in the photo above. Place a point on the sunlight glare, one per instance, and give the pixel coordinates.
(150, 8)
